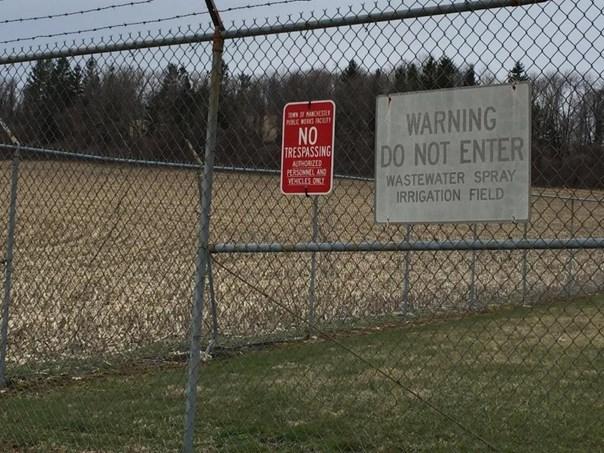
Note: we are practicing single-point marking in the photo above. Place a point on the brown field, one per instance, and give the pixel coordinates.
(104, 259)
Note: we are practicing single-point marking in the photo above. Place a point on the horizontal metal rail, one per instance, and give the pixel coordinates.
(416, 246)
(157, 163)
(302, 25)
(99, 158)
(225, 168)
(387, 16)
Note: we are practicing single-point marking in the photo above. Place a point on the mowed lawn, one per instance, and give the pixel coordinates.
(523, 379)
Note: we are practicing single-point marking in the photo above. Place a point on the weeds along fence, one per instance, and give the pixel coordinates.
(143, 222)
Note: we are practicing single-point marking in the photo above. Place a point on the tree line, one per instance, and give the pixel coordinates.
(128, 112)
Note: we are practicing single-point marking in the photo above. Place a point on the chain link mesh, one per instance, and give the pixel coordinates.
(406, 350)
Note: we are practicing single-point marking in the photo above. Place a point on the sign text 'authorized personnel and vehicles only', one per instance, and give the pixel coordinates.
(454, 155)
(307, 148)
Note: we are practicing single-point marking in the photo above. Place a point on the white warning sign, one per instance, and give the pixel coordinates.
(454, 155)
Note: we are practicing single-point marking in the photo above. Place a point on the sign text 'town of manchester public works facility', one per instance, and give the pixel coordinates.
(454, 155)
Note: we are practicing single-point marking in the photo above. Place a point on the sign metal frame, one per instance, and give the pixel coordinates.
(330, 175)
(513, 86)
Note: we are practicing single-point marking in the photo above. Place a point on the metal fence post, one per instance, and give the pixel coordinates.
(212, 302)
(570, 283)
(472, 295)
(525, 266)
(8, 266)
(313, 266)
(203, 237)
(405, 308)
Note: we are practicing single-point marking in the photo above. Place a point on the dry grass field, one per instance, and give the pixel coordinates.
(104, 259)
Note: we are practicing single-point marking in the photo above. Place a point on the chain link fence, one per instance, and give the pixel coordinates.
(157, 264)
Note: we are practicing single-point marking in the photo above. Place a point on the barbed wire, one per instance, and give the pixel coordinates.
(259, 5)
(149, 21)
(75, 13)
(105, 27)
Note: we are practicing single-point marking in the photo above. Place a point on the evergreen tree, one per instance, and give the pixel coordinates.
(91, 80)
(351, 72)
(518, 73)
(172, 113)
(37, 85)
(407, 78)
(51, 89)
(400, 79)
(429, 77)
(413, 78)
(354, 99)
(36, 105)
(65, 84)
(377, 82)
(469, 77)
(446, 73)
(162, 110)
(8, 101)
(225, 96)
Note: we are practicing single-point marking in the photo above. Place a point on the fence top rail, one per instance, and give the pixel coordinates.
(140, 41)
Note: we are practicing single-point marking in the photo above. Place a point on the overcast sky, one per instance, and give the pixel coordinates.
(561, 34)
(149, 10)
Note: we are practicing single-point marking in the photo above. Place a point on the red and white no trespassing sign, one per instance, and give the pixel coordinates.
(307, 148)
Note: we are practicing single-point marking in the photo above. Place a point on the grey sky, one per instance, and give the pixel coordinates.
(561, 34)
(141, 12)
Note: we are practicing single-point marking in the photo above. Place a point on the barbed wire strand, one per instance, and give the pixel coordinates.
(104, 27)
(377, 369)
(149, 21)
(76, 13)
(263, 4)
